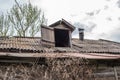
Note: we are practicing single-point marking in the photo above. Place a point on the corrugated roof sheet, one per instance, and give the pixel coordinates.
(61, 55)
(96, 46)
(30, 44)
(34, 44)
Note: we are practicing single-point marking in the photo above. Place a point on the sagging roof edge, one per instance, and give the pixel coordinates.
(91, 56)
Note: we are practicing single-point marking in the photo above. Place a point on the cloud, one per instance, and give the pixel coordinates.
(115, 35)
(87, 27)
(118, 3)
(106, 7)
(99, 18)
(73, 15)
(108, 0)
(109, 18)
(90, 13)
(6, 5)
(93, 13)
(119, 18)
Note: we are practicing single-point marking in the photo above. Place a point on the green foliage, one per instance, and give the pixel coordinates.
(26, 19)
(4, 25)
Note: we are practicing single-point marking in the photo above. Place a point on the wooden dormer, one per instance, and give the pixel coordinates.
(63, 24)
(57, 34)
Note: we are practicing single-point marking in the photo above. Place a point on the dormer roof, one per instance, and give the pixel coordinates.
(63, 21)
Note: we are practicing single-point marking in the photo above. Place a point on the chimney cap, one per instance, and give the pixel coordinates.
(80, 29)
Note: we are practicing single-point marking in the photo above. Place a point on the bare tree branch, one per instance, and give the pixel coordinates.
(4, 25)
(26, 19)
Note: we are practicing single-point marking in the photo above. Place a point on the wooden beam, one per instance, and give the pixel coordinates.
(104, 74)
(115, 72)
(60, 55)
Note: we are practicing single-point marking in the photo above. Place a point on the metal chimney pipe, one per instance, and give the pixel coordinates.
(81, 34)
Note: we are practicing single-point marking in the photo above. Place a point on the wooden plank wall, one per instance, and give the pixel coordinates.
(107, 73)
(47, 36)
(61, 26)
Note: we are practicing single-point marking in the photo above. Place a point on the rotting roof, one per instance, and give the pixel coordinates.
(96, 46)
(33, 44)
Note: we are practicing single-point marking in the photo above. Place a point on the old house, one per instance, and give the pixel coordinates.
(57, 56)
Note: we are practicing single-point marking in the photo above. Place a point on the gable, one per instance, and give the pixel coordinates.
(63, 24)
(57, 34)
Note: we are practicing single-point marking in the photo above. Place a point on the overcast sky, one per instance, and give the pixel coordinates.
(99, 18)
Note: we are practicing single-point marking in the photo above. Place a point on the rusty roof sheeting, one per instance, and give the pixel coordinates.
(85, 46)
(96, 46)
(61, 55)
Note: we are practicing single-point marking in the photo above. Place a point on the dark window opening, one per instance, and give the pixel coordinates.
(62, 38)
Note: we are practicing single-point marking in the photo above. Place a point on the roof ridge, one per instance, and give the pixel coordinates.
(72, 27)
(68, 23)
(25, 37)
(109, 41)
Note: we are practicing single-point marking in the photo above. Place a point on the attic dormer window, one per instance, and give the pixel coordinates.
(62, 38)
(58, 34)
